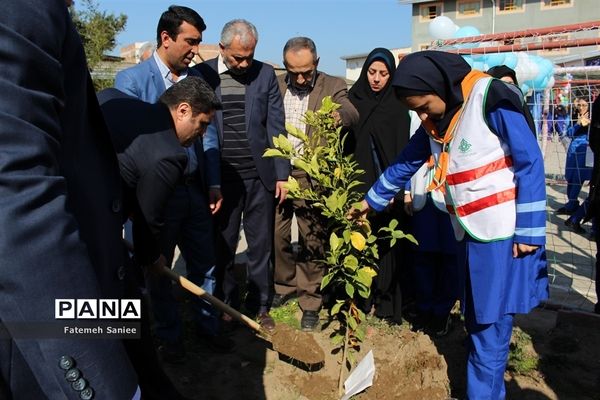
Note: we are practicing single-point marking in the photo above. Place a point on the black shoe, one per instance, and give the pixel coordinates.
(309, 321)
(171, 353)
(597, 308)
(575, 226)
(564, 211)
(440, 325)
(281, 300)
(217, 343)
(266, 321)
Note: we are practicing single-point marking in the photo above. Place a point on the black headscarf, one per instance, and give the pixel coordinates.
(433, 72)
(384, 122)
(441, 73)
(500, 71)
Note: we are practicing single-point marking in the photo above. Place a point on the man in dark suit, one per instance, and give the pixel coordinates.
(179, 32)
(303, 88)
(61, 209)
(252, 115)
(149, 140)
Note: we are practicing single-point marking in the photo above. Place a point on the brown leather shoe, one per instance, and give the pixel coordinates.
(266, 321)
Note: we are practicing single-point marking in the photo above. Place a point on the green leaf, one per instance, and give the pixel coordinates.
(284, 143)
(272, 153)
(334, 242)
(346, 235)
(314, 164)
(411, 238)
(393, 224)
(349, 289)
(351, 262)
(352, 323)
(292, 130)
(375, 251)
(298, 163)
(337, 306)
(360, 333)
(365, 276)
(364, 292)
(325, 281)
(337, 339)
(332, 202)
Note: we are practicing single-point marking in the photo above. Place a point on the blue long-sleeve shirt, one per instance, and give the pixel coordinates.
(510, 125)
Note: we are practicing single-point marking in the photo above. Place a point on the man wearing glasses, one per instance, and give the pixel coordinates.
(303, 88)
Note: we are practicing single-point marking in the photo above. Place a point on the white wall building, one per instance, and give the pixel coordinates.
(354, 63)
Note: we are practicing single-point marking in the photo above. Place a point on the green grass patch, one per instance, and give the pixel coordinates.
(286, 314)
(521, 357)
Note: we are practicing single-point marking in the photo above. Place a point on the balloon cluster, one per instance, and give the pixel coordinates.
(533, 72)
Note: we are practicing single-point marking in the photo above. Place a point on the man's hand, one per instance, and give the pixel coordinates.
(280, 191)
(337, 118)
(155, 269)
(408, 206)
(359, 213)
(520, 249)
(215, 199)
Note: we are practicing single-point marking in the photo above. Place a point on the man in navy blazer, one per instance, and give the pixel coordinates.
(61, 210)
(188, 221)
(252, 115)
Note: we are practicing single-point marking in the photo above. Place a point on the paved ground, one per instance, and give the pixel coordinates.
(570, 255)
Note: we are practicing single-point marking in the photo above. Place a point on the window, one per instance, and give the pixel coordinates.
(510, 5)
(556, 3)
(429, 11)
(468, 8)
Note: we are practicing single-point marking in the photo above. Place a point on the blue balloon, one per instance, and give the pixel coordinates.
(479, 65)
(524, 88)
(539, 82)
(510, 60)
(495, 59)
(546, 66)
(468, 59)
(466, 31)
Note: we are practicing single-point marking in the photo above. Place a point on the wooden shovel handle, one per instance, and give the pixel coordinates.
(198, 291)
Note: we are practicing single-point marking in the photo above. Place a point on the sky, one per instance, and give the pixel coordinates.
(338, 27)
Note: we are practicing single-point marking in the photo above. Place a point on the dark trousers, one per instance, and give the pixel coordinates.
(597, 276)
(188, 224)
(152, 380)
(301, 276)
(250, 198)
(435, 282)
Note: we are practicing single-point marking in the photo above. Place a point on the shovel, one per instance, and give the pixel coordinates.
(289, 342)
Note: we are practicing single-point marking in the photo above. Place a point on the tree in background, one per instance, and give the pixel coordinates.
(98, 31)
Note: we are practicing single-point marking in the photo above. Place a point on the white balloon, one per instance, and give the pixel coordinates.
(442, 27)
(551, 82)
(526, 69)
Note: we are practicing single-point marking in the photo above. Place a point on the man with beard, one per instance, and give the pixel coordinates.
(252, 115)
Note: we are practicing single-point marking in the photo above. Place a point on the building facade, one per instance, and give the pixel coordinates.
(354, 63)
(498, 16)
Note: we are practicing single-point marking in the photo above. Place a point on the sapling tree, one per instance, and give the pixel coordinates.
(351, 253)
